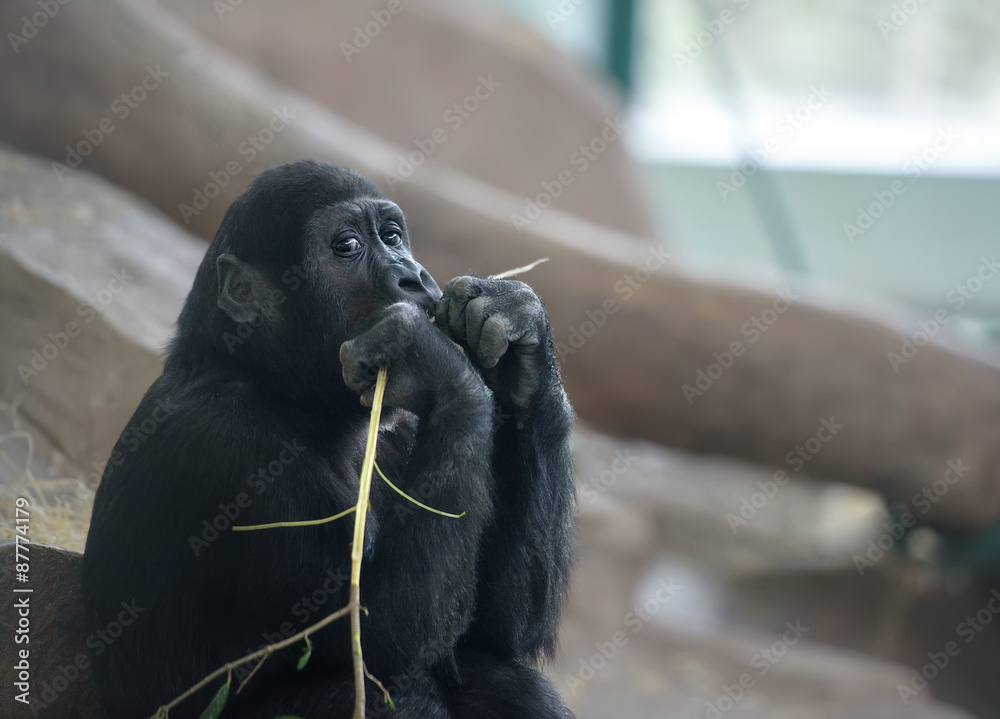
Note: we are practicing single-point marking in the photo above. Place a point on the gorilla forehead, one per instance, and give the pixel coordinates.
(269, 218)
(359, 212)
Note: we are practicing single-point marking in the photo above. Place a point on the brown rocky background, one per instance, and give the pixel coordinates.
(660, 477)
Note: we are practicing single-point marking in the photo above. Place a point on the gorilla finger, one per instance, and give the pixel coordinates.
(348, 360)
(441, 312)
(449, 289)
(493, 341)
(476, 314)
(465, 287)
(527, 337)
(359, 374)
(360, 379)
(464, 290)
(457, 317)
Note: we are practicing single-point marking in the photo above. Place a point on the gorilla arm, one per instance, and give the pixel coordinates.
(526, 551)
(418, 581)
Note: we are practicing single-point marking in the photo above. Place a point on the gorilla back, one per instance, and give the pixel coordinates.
(308, 288)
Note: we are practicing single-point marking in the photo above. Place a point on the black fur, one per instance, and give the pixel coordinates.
(256, 419)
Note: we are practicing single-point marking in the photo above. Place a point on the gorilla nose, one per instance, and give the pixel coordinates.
(420, 288)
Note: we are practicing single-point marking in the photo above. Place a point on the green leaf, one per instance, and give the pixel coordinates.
(214, 709)
(304, 659)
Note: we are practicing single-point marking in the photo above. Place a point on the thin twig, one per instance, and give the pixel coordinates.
(419, 504)
(357, 548)
(518, 270)
(298, 523)
(254, 671)
(228, 667)
(385, 692)
(353, 607)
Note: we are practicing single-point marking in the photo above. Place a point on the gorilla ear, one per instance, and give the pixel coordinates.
(241, 289)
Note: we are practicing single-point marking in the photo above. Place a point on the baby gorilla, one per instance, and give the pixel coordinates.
(307, 290)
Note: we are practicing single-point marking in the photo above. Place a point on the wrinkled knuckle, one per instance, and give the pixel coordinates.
(478, 305)
(466, 286)
(495, 323)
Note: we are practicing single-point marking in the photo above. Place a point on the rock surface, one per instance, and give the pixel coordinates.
(534, 110)
(60, 649)
(669, 607)
(91, 282)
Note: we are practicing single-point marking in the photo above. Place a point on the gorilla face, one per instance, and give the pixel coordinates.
(362, 249)
(305, 259)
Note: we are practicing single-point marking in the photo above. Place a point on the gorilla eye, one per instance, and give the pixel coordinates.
(346, 246)
(392, 236)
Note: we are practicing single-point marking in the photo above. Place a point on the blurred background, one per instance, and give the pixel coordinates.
(891, 79)
(771, 235)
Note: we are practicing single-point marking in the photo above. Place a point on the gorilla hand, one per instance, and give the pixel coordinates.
(503, 325)
(424, 367)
